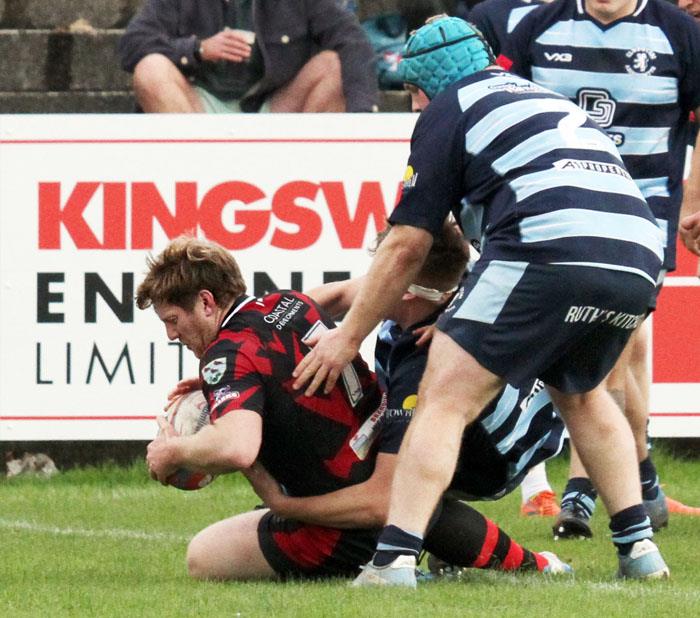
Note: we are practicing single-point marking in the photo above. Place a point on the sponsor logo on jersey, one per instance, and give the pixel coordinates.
(640, 61)
(558, 56)
(598, 104)
(410, 178)
(516, 87)
(590, 315)
(361, 442)
(284, 311)
(214, 370)
(592, 166)
(410, 402)
(225, 393)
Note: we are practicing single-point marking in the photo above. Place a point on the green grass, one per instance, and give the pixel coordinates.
(109, 542)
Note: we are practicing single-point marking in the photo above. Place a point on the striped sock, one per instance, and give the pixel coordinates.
(629, 526)
(579, 495)
(649, 478)
(463, 537)
(499, 551)
(394, 542)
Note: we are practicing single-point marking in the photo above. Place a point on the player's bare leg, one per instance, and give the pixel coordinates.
(452, 393)
(160, 87)
(606, 448)
(628, 384)
(229, 550)
(605, 445)
(579, 495)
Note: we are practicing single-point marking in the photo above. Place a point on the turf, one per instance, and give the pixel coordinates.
(108, 541)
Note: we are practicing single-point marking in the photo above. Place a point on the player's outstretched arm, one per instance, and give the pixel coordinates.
(364, 505)
(395, 265)
(336, 297)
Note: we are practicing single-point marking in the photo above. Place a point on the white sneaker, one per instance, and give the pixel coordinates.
(400, 572)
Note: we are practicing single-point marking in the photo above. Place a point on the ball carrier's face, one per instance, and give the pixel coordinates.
(195, 329)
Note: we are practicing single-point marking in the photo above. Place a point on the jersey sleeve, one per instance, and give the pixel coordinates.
(433, 182)
(230, 379)
(516, 53)
(689, 87)
(480, 16)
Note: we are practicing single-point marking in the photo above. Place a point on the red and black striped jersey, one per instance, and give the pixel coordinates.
(306, 443)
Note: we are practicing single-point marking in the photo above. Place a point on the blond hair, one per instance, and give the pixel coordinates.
(186, 266)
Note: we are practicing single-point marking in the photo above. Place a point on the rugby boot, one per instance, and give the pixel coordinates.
(678, 508)
(657, 509)
(555, 565)
(643, 562)
(572, 523)
(400, 572)
(439, 568)
(543, 504)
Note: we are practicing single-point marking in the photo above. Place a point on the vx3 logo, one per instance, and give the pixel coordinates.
(558, 56)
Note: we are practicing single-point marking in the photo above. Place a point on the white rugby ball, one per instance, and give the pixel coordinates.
(187, 415)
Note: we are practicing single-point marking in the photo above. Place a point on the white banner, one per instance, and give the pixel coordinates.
(84, 199)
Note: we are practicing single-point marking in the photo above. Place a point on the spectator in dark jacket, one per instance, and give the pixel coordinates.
(249, 56)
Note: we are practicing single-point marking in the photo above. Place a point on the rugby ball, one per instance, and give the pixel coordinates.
(187, 415)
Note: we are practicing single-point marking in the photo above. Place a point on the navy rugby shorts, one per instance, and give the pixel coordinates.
(298, 550)
(563, 324)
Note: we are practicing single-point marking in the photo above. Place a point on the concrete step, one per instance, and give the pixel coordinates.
(46, 60)
(121, 102)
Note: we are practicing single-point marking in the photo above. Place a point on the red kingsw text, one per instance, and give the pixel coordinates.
(130, 211)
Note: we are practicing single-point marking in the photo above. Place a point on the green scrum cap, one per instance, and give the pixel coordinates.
(441, 52)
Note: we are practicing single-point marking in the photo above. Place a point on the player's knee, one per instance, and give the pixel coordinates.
(200, 562)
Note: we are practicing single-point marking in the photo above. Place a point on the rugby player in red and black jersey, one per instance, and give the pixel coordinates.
(310, 445)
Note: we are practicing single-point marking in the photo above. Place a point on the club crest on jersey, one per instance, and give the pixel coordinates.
(640, 61)
(213, 371)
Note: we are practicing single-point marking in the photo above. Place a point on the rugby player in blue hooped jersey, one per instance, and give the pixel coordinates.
(632, 66)
(570, 258)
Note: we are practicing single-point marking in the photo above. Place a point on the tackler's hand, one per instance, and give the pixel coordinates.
(332, 350)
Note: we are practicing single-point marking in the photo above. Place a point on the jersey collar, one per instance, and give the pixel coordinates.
(238, 304)
(641, 4)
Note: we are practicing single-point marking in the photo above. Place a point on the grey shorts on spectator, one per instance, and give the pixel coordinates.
(214, 105)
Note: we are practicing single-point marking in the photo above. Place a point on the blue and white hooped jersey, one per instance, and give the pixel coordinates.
(496, 19)
(637, 77)
(521, 424)
(550, 185)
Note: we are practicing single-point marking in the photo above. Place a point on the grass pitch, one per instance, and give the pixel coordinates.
(109, 542)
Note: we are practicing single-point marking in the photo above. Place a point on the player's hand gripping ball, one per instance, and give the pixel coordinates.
(187, 414)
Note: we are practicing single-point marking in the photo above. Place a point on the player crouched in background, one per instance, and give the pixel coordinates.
(247, 349)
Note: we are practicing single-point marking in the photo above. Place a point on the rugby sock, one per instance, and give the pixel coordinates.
(534, 482)
(649, 478)
(463, 537)
(629, 526)
(579, 495)
(394, 542)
